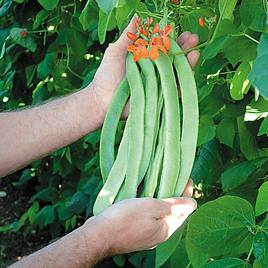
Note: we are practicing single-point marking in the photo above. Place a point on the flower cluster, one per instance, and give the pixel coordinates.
(149, 39)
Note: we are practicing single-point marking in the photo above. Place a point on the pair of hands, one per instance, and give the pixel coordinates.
(143, 223)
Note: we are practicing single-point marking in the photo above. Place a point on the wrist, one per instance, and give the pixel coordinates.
(96, 233)
(93, 97)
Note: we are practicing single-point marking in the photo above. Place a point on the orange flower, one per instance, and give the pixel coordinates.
(201, 22)
(141, 42)
(164, 34)
(154, 53)
(149, 22)
(158, 42)
(137, 22)
(132, 36)
(142, 31)
(156, 29)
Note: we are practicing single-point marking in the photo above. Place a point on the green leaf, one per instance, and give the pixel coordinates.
(235, 48)
(122, 15)
(45, 68)
(107, 6)
(48, 194)
(208, 163)
(89, 16)
(248, 143)
(239, 173)
(259, 73)
(104, 20)
(262, 200)
(45, 216)
(256, 110)
(240, 84)
(264, 127)
(214, 48)
(220, 228)
(63, 212)
(78, 203)
(226, 131)
(5, 7)
(227, 263)
(32, 211)
(260, 244)
(166, 249)
(253, 14)
(27, 42)
(40, 18)
(226, 8)
(207, 130)
(48, 4)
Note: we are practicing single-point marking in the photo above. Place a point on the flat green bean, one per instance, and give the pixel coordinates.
(108, 133)
(190, 117)
(171, 159)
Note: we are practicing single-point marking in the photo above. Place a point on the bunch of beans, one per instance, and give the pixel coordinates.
(158, 145)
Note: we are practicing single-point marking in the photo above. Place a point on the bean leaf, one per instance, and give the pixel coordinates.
(259, 73)
(220, 228)
(262, 200)
(48, 4)
(227, 263)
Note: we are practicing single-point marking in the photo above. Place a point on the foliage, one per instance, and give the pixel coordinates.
(50, 48)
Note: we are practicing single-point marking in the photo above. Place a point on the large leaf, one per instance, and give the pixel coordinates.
(240, 173)
(45, 216)
(226, 8)
(226, 131)
(5, 7)
(27, 42)
(46, 66)
(220, 228)
(262, 200)
(259, 74)
(104, 21)
(208, 163)
(48, 4)
(227, 263)
(165, 250)
(89, 16)
(78, 203)
(264, 127)
(207, 129)
(107, 6)
(253, 14)
(260, 244)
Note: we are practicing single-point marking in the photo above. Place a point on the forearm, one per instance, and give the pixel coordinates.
(84, 247)
(29, 134)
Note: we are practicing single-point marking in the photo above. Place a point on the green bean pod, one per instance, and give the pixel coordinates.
(110, 189)
(136, 131)
(151, 99)
(152, 177)
(108, 133)
(171, 159)
(190, 116)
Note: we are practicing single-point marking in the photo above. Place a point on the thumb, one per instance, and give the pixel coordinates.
(123, 41)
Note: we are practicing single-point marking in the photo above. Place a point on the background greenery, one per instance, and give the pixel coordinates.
(50, 48)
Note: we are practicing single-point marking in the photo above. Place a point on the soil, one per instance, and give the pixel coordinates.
(13, 246)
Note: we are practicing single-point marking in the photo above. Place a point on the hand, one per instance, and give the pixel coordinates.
(112, 68)
(143, 223)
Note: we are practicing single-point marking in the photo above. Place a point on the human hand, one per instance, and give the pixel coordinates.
(143, 223)
(112, 69)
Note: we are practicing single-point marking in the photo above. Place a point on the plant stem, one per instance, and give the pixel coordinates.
(249, 254)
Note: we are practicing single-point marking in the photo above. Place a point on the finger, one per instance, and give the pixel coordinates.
(123, 41)
(188, 192)
(193, 57)
(176, 207)
(190, 42)
(183, 38)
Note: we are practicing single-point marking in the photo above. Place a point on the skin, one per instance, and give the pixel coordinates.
(30, 134)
